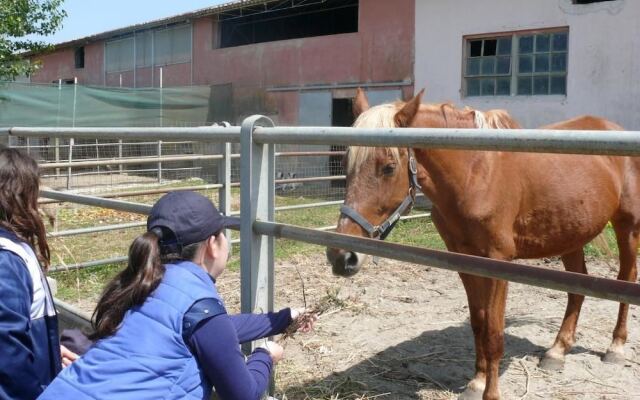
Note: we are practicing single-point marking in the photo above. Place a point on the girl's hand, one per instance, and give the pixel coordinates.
(303, 320)
(275, 350)
(67, 356)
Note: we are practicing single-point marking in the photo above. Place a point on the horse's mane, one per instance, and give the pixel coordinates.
(494, 119)
(376, 117)
(382, 116)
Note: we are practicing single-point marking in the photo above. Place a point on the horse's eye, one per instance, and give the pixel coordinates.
(389, 169)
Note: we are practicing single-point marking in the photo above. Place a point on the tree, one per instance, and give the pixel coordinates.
(20, 21)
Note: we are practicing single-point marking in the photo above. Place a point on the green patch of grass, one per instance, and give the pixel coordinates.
(84, 284)
(604, 246)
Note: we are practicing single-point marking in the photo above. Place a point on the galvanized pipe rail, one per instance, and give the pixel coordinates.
(129, 161)
(621, 143)
(126, 206)
(204, 133)
(258, 137)
(571, 282)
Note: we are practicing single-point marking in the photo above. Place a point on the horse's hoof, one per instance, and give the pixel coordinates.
(551, 364)
(612, 357)
(470, 394)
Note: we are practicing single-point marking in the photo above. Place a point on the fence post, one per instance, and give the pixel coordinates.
(69, 167)
(120, 154)
(256, 202)
(159, 163)
(224, 175)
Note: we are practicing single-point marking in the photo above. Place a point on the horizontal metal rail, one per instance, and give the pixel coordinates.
(94, 145)
(571, 282)
(309, 205)
(95, 229)
(128, 161)
(309, 153)
(622, 143)
(119, 205)
(525, 140)
(403, 218)
(71, 317)
(148, 192)
(95, 263)
(130, 172)
(206, 133)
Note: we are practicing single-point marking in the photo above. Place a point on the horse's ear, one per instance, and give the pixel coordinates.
(406, 114)
(360, 103)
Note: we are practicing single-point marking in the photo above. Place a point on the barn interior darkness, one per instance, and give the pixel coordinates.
(281, 20)
(341, 115)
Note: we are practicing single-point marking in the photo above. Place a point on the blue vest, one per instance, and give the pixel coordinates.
(147, 357)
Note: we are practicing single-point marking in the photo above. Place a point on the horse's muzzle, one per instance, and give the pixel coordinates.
(345, 263)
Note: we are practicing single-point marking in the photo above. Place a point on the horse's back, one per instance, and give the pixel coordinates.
(585, 123)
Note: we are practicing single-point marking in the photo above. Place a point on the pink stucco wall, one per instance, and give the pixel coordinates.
(61, 65)
(381, 51)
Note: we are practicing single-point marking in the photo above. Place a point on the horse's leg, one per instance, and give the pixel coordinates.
(477, 313)
(494, 336)
(554, 358)
(627, 237)
(487, 301)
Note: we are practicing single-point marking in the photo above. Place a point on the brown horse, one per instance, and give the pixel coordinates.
(502, 205)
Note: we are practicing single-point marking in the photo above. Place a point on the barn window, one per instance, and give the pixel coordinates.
(531, 63)
(172, 45)
(119, 54)
(79, 57)
(267, 22)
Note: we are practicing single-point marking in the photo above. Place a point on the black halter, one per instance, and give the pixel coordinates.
(382, 231)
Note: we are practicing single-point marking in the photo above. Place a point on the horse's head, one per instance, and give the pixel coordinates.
(381, 182)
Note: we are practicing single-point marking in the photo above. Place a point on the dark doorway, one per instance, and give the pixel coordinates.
(341, 115)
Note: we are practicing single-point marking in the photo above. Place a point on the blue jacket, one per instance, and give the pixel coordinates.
(29, 345)
(147, 357)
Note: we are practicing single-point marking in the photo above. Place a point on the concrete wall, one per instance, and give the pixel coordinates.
(604, 55)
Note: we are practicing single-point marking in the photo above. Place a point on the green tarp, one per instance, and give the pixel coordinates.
(24, 104)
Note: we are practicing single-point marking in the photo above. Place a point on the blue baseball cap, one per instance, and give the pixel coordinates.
(182, 218)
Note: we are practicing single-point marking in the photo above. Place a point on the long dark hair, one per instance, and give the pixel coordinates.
(19, 191)
(132, 286)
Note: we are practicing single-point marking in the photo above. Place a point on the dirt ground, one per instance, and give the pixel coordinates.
(401, 331)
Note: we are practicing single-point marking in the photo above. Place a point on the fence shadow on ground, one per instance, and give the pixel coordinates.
(438, 360)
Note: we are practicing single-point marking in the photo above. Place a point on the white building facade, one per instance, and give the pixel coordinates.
(542, 60)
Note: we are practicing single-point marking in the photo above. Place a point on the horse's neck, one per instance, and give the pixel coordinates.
(446, 174)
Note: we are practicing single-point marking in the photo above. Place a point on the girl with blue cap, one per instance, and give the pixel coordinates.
(161, 327)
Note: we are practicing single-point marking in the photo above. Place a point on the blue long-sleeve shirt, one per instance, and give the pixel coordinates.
(215, 343)
(29, 347)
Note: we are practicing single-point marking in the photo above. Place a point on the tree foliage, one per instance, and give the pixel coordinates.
(20, 22)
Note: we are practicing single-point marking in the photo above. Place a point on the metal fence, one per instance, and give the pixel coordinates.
(258, 137)
(139, 168)
(112, 162)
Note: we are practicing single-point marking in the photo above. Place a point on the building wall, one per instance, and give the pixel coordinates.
(380, 52)
(61, 65)
(603, 66)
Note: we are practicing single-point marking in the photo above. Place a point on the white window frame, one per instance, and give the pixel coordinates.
(514, 72)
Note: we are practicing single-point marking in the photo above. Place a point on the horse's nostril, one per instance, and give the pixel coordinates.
(351, 259)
